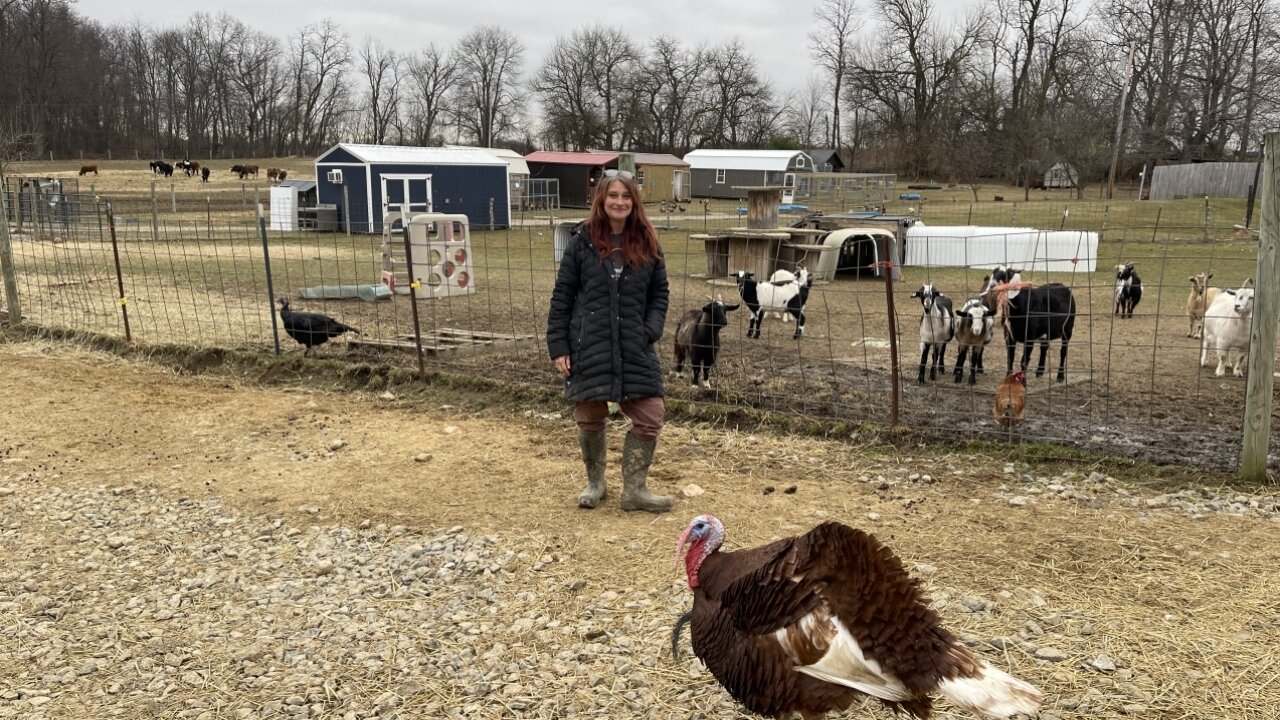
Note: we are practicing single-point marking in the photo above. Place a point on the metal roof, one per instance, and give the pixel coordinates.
(406, 155)
(647, 158)
(744, 159)
(515, 161)
(301, 185)
(572, 158)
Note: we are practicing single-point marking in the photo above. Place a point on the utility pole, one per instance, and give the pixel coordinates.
(1120, 114)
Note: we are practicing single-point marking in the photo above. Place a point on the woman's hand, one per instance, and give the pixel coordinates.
(562, 365)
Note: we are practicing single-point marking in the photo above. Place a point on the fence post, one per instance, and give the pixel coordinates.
(115, 255)
(414, 284)
(1262, 336)
(155, 215)
(11, 300)
(889, 266)
(173, 198)
(271, 291)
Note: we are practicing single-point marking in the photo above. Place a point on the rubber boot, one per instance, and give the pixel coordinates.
(637, 455)
(593, 456)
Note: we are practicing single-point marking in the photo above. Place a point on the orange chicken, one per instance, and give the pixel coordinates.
(1011, 400)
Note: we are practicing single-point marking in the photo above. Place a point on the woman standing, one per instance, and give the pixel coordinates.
(607, 311)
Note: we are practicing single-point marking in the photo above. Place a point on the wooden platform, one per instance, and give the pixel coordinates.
(451, 341)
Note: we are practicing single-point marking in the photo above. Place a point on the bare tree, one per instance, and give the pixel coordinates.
(829, 46)
(381, 68)
(912, 69)
(733, 92)
(320, 58)
(490, 99)
(572, 116)
(432, 75)
(805, 114)
(668, 90)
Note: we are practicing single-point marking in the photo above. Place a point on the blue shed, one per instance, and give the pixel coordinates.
(379, 178)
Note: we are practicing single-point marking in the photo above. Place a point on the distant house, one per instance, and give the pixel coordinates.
(660, 176)
(1061, 175)
(378, 178)
(577, 172)
(827, 160)
(718, 173)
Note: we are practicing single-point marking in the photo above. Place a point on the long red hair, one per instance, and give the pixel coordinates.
(639, 237)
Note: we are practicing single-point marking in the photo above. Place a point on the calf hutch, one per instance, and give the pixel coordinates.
(367, 181)
(723, 173)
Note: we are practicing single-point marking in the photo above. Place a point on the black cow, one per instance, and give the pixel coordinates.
(1032, 314)
(204, 174)
(156, 165)
(165, 169)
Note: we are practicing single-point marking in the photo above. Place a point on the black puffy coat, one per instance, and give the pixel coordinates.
(607, 327)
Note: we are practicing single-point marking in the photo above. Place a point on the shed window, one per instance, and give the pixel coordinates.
(720, 176)
(640, 178)
(799, 161)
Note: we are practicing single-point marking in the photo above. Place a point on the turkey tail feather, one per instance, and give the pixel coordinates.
(675, 634)
(992, 693)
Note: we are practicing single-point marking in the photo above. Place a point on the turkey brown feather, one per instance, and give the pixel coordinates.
(810, 623)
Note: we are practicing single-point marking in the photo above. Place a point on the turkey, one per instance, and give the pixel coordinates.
(808, 624)
(309, 328)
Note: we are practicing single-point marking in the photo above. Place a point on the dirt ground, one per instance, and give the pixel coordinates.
(1185, 605)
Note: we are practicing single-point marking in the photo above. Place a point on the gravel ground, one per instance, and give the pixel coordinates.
(124, 602)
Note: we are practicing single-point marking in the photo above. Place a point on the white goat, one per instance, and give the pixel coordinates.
(975, 324)
(1226, 330)
(936, 329)
(1201, 297)
(766, 297)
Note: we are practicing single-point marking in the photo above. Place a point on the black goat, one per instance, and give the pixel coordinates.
(309, 328)
(1128, 290)
(1032, 314)
(698, 338)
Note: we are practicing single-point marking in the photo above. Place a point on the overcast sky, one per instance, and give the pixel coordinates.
(775, 31)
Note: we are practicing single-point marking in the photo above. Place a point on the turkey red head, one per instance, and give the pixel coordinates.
(704, 536)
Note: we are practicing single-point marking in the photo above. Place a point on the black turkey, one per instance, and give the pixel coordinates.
(310, 328)
(811, 623)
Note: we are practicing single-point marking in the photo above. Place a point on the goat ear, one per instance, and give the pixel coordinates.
(1210, 275)
(1248, 283)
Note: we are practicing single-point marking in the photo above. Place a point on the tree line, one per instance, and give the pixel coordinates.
(1002, 92)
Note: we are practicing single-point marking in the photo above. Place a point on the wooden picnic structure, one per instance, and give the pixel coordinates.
(761, 247)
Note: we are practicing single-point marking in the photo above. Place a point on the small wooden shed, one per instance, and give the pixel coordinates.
(660, 176)
(722, 173)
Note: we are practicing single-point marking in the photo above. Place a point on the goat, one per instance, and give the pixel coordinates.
(765, 297)
(937, 327)
(86, 169)
(974, 325)
(1128, 290)
(698, 338)
(1226, 330)
(1031, 314)
(1201, 297)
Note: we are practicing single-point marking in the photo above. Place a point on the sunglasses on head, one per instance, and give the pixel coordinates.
(624, 174)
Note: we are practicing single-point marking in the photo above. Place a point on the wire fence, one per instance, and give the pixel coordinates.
(198, 275)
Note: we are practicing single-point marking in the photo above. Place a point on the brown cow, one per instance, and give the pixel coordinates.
(281, 176)
(86, 169)
(273, 173)
(246, 170)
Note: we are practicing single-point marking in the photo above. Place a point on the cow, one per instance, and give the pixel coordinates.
(204, 174)
(155, 166)
(86, 169)
(273, 173)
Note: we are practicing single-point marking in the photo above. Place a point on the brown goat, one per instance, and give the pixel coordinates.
(1198, 301)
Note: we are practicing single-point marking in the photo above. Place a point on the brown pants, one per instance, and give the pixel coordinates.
(646, 415)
